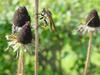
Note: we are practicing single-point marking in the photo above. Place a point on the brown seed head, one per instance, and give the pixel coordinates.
(25, 35)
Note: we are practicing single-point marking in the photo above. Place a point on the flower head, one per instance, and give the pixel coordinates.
(92, 23)
(25, 35)
(22, 40)
(20, 17)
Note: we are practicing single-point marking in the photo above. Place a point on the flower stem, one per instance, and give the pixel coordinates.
(20, 70)
(88, 54)
(36, 37)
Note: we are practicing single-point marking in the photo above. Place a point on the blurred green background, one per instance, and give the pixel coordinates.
(62, 52)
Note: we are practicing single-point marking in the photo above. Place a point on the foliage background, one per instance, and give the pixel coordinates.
(62, 52)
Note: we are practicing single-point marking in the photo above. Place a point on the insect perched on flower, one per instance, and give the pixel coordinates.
(20, 17)
(92, 23)
(46, 15)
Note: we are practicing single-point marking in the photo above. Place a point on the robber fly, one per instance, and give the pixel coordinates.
(46, 15)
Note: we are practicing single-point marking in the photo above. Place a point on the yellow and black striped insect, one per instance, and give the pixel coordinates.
(46, 15)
